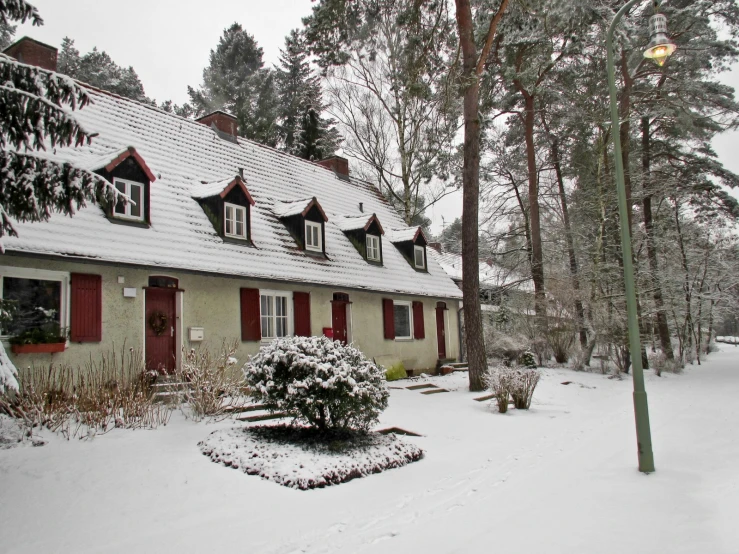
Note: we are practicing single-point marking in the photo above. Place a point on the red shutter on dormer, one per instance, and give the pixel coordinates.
(86, 321)
(418, 330)
(251, 328)
(388, 315)
(301, 306)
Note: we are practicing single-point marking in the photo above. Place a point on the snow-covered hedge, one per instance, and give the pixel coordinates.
(318, 381)
(8, 373)
(516, 383)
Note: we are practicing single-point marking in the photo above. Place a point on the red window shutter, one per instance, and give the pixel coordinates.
(388, 314)
(301, 305)
(251, 327)
(86, 321)
(418, 330)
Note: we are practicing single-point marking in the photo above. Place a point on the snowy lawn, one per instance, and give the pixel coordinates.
(304, 459)
(559, 478)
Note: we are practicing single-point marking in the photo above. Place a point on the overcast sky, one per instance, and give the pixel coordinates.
(168, 41)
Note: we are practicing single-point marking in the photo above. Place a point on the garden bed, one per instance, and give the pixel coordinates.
(303, 458)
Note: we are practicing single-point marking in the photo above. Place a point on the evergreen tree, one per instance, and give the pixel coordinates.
(35, 115)
(303, 130)
(98, 69)
(7, 32)
(236, 81)
(451, 237)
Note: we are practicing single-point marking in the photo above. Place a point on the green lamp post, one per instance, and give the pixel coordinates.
(659, 49)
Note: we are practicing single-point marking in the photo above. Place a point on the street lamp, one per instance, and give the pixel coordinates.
(659, 49)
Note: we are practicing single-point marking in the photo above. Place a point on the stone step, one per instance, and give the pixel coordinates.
(434, 391)
(262, 417)
(423, 386)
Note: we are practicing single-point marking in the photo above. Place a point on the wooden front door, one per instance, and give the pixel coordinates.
(440, 331)
(338, 320)
(161, 347)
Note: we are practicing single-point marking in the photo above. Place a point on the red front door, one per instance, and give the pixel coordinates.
(338, 319)
(160, 329)
(440, 332)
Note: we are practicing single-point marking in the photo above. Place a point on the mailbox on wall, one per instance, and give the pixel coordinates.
(197, 334)
(328, 332)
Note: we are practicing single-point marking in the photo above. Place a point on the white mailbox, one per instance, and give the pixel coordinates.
(129, 292)
(197, 334)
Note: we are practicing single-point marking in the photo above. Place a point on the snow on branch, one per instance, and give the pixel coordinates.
(18, 10)
(8, 372)
(34, 188)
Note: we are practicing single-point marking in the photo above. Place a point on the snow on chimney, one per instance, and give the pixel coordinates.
(337, 164)
(33, 52)
(222, 121)
(436, 246)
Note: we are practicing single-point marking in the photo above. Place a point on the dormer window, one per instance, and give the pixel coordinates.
(373, 248)
(134, 209)
(235, 221)
(419, 257)
(305, 220)
(313, 236)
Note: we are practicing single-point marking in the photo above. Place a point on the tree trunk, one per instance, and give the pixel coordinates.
(663, 328)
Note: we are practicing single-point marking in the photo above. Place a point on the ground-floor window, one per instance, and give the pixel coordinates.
(403, 320)
(35, 302)
(275, 314)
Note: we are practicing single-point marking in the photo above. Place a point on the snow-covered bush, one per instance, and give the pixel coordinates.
(659, 363)
(8, 373)
(504, 347)
(528, 359)
(522, 388)
(518, 383)
(321, 382)
(210, 384)
(499, 380)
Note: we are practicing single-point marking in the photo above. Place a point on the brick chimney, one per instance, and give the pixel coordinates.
(337, 164)
(436, 246)
(223, 121)
(33, 52)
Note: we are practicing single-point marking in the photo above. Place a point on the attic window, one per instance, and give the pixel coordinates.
(313, 236)
(235, 221)
(373, 248)
(133, 210)
(419, 257)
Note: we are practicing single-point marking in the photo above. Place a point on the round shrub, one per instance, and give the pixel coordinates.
(318, 381)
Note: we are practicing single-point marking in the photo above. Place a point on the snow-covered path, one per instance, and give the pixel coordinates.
(560, 478)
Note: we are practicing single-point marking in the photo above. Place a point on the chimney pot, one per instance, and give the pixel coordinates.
(436, 246)
(33, 52)
(337, 164)
(361, 207)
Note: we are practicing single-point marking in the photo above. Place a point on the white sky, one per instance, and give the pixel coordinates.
(168, 42)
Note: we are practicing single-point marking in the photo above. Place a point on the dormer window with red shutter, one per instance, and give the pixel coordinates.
(306, 222)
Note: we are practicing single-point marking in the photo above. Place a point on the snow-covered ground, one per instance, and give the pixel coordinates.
(559, 478)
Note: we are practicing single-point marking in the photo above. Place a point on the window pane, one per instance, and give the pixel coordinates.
(229, 221)
(402, 318)
(240, 213)
(268, 321)
(136, 196)
(38, 304)
(120, 208)
(419, 257)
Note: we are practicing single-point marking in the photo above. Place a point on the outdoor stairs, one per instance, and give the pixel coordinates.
(168, 388)
(453, 367)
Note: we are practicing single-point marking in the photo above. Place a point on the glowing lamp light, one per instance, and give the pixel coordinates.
(660, 47)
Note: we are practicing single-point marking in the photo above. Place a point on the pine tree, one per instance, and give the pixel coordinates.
(34, 116)
(7, 32)
(98, 69)
(236, 81)
(303, 130)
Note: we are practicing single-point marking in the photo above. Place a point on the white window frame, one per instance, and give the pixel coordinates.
(376, 247)
(142, 204)
(42, 275)
(313, 247)
(416, 250)
(288, 295)
(409, 305)
(236, 208)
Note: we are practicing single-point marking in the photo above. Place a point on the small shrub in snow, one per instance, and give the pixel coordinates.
(528, 359)
(522, 389)
(209, 383)
(659, 363)
(395, 372)
(499, 380)
(504, 347)
(318, 381)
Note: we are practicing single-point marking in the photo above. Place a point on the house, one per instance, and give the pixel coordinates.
(226, 240)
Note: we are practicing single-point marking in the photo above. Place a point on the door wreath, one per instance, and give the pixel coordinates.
(158, 322)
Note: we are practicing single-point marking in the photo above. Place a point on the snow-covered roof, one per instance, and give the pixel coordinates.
(355, 222)
(289, 208)
(111, 160)
(405, 234)
(491, 275)
(183, 154)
